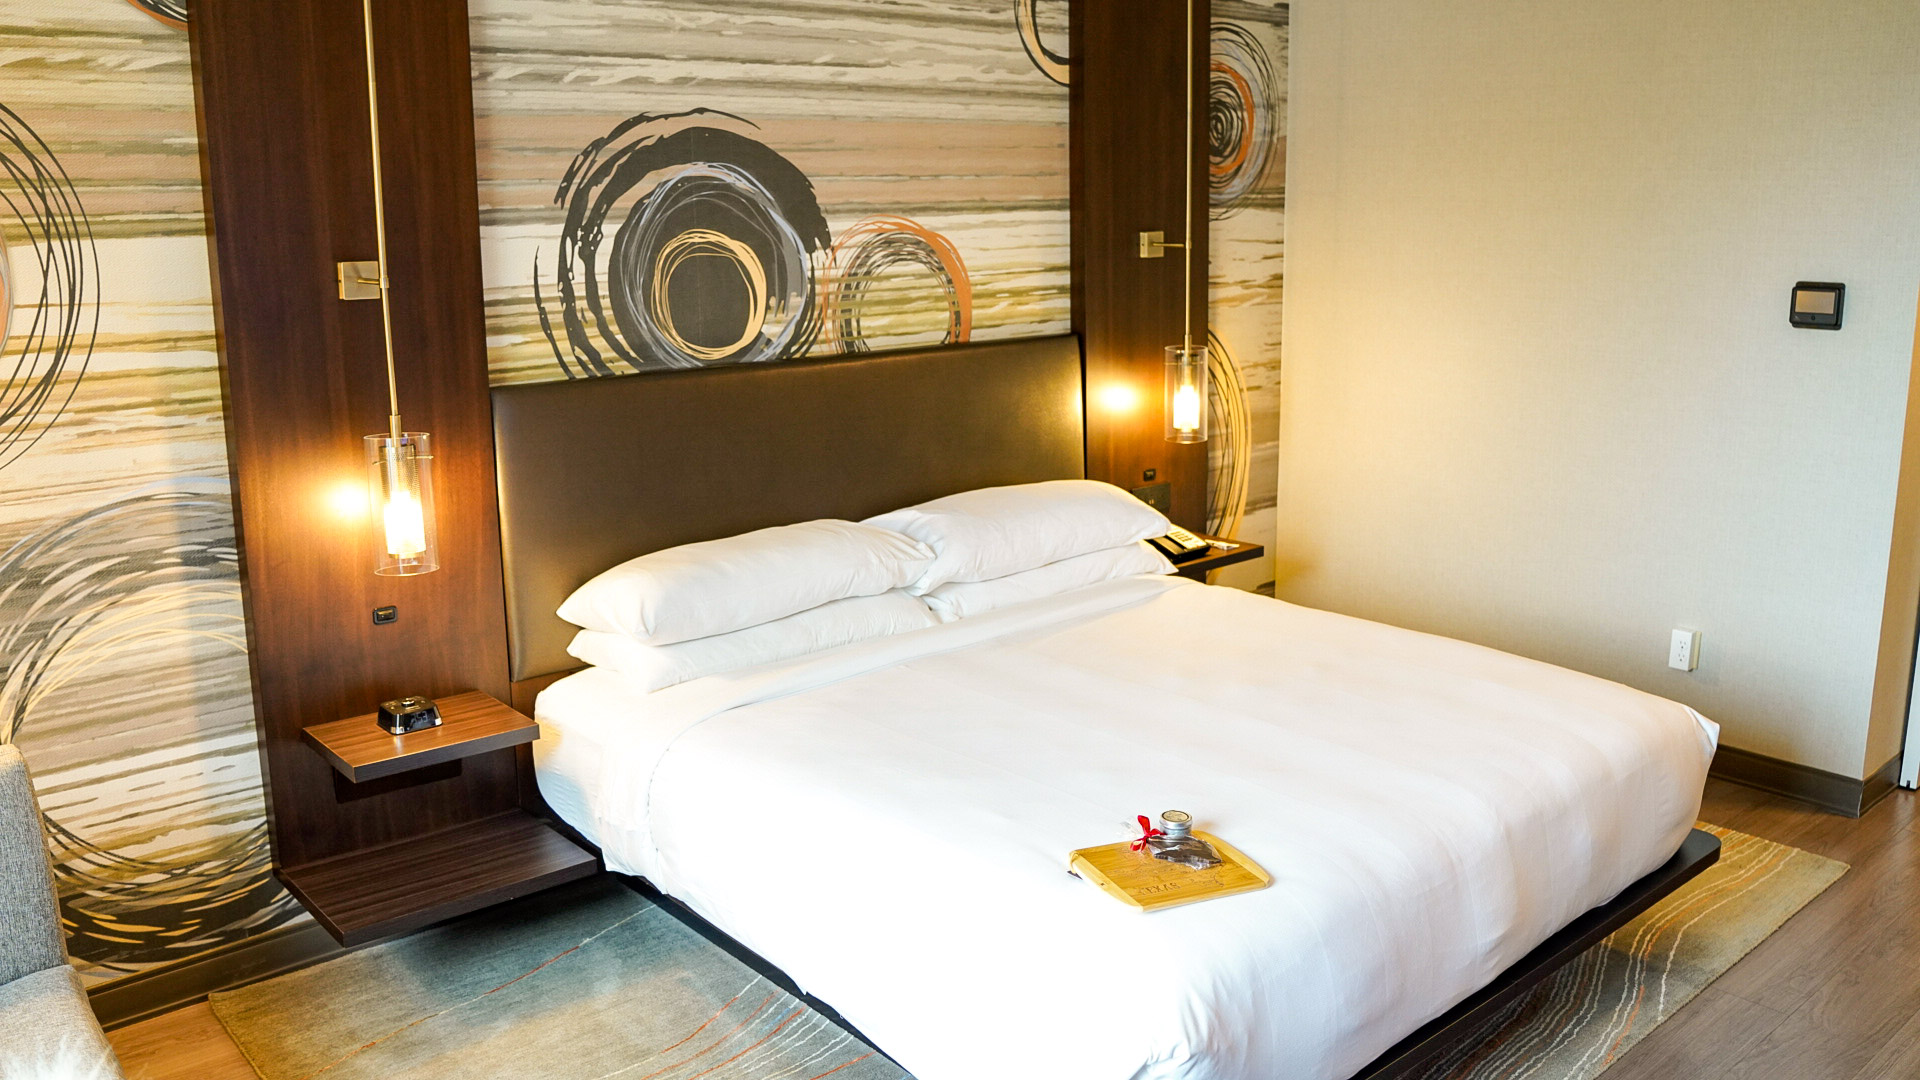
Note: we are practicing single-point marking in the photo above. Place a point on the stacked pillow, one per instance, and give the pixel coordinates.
(958, 599)
(722, 605)
(1001, 545)
(835, 623)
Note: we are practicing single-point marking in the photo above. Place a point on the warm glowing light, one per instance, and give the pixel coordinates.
(1119, 398)
(406, 525)
(348, 500)
(400, 494)
(1186, 409)
(1185, 403)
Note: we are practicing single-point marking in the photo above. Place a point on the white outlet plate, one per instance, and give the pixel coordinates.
(1683, 654)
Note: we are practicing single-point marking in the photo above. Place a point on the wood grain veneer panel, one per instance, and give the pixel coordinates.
(283, 102)
(470, 723)
(417, 882)
(1127, 130)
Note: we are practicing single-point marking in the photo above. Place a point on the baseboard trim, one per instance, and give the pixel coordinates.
(148, 994)
(1829, 791)
(1881, 784)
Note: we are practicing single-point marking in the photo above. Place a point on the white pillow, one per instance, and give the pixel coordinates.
(959, 599)
(993, 532)
(841, 622)
(717, 586)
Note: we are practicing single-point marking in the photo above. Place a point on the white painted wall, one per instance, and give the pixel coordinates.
(1539, 388)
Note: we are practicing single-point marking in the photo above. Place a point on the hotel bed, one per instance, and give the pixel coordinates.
(889, 821)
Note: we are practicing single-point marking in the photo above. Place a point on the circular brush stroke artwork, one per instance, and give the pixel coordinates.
(1229, 442)
(152, 575)
(1053, 65)
(716, 241)
(1244, 114)
(44, 359)
(867, 253)
(167, 12)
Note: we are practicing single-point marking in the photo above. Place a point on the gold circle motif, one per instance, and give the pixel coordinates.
(708, 244)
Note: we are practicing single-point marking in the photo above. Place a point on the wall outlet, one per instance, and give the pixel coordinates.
(1684, 653)
(1159, 496)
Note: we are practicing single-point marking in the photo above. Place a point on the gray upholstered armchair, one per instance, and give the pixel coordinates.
(46, 1025)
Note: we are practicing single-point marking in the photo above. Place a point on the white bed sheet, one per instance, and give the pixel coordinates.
(889, 822)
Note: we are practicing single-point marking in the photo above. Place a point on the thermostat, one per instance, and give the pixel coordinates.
(1817, 305)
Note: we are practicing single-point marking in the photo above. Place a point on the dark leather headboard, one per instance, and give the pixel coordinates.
(597, 471)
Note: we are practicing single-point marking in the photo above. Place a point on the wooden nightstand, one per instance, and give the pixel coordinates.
(1236, 551)
(471, 723)
(391, 889)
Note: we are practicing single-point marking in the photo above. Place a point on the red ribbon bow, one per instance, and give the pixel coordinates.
(1147, 832)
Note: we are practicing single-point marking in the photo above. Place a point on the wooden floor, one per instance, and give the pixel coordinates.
(186, 1044)
(1834, 995)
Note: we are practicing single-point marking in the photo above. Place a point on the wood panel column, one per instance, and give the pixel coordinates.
(283, 112)
(1128, 175)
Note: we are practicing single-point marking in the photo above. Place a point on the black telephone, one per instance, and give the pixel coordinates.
(1180, 546)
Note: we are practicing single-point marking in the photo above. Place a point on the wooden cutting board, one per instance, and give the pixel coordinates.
(1141, 881)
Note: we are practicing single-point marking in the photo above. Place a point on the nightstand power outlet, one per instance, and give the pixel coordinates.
(1159, 496)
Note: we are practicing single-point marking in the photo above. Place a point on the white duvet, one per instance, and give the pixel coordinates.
(889, 822)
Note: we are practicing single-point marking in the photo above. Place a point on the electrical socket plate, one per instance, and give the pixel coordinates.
(1684, 653)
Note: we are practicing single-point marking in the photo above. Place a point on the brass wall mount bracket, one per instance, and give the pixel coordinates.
(1153, 244)
(358, 280)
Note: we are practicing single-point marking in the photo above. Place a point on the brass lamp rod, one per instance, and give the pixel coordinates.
(1187, 170)
(380, 222)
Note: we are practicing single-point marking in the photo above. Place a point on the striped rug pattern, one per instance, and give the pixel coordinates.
(586, 982)
(1592, 1011)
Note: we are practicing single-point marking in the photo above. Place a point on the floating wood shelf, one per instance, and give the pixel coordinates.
(1240, 552)
(471, 723)
(400, 887)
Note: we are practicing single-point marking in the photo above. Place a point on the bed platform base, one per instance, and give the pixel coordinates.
(1417, 1051)
(1700, 850)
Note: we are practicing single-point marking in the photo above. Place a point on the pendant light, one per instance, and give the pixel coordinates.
(1186, 375)
(399, 463)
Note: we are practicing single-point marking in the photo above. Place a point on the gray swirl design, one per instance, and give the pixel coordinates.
(46, 358)
(716, 241)
(1245, 106)
(1230, 442)
(80, 602)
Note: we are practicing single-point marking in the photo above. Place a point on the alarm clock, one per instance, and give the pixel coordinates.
(411, 713)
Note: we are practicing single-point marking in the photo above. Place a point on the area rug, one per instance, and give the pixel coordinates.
(593, 982)
(586, 982)
(1593, 1010)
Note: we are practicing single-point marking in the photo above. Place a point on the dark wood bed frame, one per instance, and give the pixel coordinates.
(595, 472)
(1410, 1055)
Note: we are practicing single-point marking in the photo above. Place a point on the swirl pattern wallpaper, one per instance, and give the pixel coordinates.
(686, 184)
(679, 185)
(663, 186)
(123, 668)
(1247, 164)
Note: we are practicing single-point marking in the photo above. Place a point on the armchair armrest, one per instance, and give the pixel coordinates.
(30, 936)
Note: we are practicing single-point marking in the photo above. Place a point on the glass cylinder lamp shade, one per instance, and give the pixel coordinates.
(400, 484)
(1186, 409)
